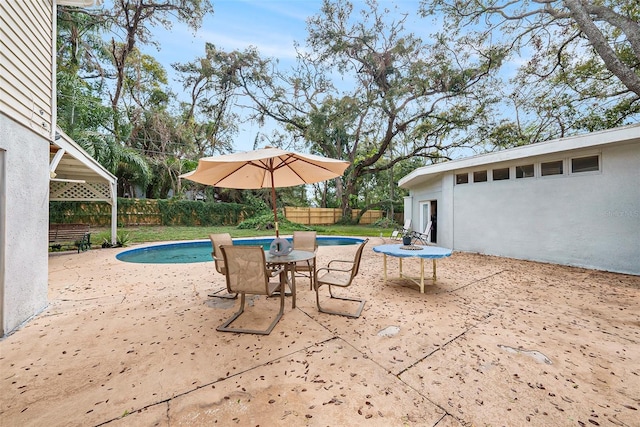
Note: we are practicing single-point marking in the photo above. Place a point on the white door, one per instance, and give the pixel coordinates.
(425, 215)
(3, 203)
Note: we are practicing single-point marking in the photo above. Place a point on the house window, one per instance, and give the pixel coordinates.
(462, 178)
(585, 164)
(551, 168)
(500, 174)
(524, 171)
(480, 176)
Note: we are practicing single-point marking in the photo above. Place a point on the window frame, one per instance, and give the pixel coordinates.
(486, 175)
(493, 174)
(460, 175)
(562, 168)
(524, 176)
(586, 172)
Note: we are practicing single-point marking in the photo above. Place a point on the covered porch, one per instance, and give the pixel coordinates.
(76, 176)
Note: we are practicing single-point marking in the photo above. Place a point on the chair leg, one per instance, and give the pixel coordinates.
(225, 326)
(310, 276)
(311, 273)
(340, 313)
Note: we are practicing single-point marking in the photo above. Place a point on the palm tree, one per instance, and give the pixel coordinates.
(127, 164)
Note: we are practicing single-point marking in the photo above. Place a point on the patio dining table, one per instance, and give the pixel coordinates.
(412, 251)
(289, 262)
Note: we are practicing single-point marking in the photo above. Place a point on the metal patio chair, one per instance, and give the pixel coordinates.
(247, 273)
(425, 237)
(306, 241)
(398, 233)
(339, 273)
(216, 241)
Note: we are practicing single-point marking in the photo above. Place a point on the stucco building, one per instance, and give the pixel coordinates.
(571, 201)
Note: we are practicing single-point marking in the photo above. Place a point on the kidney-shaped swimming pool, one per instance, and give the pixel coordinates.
(200, 250)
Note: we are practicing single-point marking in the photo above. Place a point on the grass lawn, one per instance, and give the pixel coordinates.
(142, 234)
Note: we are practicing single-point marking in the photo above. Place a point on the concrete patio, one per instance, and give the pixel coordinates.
(494, 342)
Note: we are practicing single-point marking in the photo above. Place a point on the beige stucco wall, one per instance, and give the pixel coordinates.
(26, 216)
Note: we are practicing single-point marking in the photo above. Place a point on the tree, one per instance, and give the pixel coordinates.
(403, 96)
(134, 19)
(127, 164)
(209, 116)
(79, 106)
(94, 64)
(583, 59)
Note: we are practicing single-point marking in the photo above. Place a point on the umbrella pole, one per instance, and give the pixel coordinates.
(275, 206)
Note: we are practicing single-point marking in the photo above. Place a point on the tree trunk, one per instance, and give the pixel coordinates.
(626, 75)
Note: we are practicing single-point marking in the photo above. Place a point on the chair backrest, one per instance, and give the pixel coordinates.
(398, 233)
(216, 241)
(427, 229)
(356, 260)
(246, 269)
(305, 241)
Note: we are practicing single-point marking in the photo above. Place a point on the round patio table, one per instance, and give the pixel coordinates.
(412, 251)
(289, 262)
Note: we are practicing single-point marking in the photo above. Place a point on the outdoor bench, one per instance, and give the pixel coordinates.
(76, 234)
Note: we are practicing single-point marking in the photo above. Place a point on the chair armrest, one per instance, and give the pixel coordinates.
(339, 260)
(328, 270)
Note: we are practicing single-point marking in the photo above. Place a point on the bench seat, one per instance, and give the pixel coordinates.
(77, 234)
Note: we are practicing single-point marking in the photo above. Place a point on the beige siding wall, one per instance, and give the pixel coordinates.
(26, 63)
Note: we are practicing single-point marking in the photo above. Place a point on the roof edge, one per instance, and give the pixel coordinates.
(74, 149)
(593, 139)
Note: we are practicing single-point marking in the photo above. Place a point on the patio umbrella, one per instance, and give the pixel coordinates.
(268, 167)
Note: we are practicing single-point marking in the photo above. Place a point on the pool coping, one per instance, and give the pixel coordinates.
(198, 242)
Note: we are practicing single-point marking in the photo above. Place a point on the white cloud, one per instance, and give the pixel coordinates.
(267, 43)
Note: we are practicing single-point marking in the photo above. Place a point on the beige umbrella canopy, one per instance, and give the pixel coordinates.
(265, 168)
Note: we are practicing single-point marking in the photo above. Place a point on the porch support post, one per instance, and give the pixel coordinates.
(114, 211)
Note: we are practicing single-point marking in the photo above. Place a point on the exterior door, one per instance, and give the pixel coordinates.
(425, 215)
(428, 212)
(3, 203)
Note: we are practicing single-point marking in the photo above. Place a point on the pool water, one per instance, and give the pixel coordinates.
(200, 250)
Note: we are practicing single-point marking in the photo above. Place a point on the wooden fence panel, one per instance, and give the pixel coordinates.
(299, 215)
(312, 216)
(326, 216)
(369, 217)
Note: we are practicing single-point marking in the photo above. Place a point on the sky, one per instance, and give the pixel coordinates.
(271, 26)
